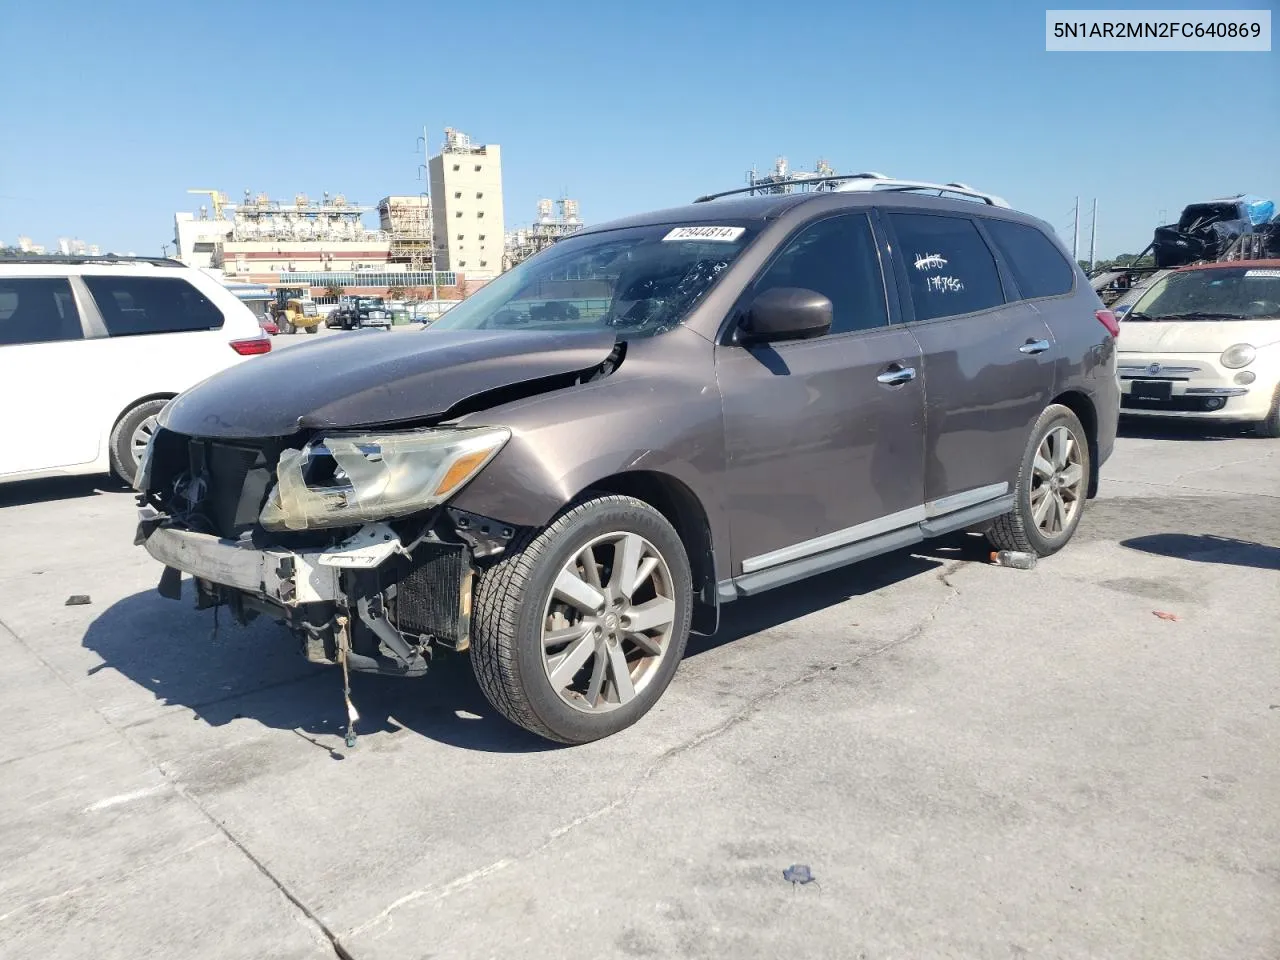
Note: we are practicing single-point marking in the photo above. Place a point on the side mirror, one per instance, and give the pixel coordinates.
(786, 313)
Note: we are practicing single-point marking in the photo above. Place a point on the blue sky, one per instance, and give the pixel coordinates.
(108, 118)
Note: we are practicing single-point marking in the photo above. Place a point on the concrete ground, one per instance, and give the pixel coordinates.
(973, 761)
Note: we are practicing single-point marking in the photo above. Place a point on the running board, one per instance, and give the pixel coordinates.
(750, 584)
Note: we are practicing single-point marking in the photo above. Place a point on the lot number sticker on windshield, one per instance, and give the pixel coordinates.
(716, 234)
(1262, 273)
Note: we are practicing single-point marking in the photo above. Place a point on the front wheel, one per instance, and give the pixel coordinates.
(579, 628)
(1270, 427)
(1053, 485)
(313, 329)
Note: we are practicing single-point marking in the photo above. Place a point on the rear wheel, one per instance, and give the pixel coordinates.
(579, 628)
(313, 329)
(130, 437)
(1053, 485)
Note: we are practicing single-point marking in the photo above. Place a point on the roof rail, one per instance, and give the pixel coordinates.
(61, 260)
(841, 183)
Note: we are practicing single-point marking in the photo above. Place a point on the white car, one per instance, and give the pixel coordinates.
(1204, 343)
(92, 348)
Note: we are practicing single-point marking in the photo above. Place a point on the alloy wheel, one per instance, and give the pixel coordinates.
(141, 437)
(608, 623)
(1057, 482)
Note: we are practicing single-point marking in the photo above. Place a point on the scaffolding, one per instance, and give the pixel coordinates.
(556, 220)
(408, 221)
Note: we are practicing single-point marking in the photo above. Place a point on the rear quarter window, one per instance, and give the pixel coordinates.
(136, 306)
(1037, 265)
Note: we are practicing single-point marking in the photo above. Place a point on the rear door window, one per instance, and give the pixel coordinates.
(38, 310)
(1037, 265)
(837, 258)
(133, 306)
(950, 269)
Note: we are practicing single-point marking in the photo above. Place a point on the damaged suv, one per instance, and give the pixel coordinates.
(577, 466)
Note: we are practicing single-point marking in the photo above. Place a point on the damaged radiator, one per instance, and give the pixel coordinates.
(434, 598)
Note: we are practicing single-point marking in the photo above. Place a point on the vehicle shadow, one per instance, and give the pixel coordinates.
(256, 672)
(753, 614)
(1208, 548)
(23, 492)
(1145, 428)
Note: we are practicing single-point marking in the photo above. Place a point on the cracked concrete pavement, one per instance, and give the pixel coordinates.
(974, 761)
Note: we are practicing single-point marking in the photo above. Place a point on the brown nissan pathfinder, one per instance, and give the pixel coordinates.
(576, 466)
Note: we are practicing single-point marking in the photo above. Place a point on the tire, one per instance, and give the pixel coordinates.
(1018, 529)
(515, 595)
(287, 327)
(313, 329)
(1269, 428)
(139, 420)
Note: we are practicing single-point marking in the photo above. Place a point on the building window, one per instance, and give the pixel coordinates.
(462, 263)
(457, 194)
(477, 168)
(460, 237)
(484, 263)
(479, 195)
(457, 167)
(482, 238)
(458, 214)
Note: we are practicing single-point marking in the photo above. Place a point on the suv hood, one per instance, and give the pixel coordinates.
(370, 378)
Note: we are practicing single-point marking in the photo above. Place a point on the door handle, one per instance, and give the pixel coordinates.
(1035, 346)
(896, 375)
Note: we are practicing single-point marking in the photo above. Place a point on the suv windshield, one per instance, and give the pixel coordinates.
(1219, 293)
(638, 281)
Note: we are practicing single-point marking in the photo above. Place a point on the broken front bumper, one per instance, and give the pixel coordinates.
(286, 577)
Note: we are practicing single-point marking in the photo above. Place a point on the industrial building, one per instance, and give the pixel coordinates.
(523, 243)
(776, 182)
(466, 190)
(311, 243)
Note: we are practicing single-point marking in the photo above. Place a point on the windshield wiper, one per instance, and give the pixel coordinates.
(1135, 316)
(1202, 315)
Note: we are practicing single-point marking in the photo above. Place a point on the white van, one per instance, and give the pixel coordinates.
(1204, 343)
(91, 349)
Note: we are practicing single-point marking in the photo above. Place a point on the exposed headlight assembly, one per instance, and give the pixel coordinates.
(347, 478)
(1238, 355)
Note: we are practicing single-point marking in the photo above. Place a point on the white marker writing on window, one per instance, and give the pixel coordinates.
(930, 261)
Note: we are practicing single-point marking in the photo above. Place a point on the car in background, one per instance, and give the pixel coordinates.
(91, 350)
(1203, 343)
(581, 463)
(268, 326)
(375, 313)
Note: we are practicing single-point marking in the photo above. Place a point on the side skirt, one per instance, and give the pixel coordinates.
(781, 574)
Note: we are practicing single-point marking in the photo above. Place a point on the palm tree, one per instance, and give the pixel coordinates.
(396, 293)
(333, 291)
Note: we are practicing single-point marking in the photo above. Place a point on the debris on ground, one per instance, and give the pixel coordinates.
(1165, 615)
(1017, 559)
(798, 873)
(78, 600)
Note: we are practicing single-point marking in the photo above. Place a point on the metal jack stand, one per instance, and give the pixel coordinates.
(344, 647)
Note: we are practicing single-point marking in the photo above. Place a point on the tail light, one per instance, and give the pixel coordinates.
(249, 348)
(1108, 320)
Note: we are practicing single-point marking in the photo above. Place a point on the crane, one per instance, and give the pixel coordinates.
(218, 198)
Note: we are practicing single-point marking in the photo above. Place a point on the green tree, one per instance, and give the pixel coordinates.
(333, 291)
(396, 293)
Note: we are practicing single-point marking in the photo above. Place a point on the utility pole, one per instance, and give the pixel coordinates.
(1075, 235)
(1093, 234)
(425, 168)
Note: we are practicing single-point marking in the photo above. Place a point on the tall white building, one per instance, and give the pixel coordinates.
(466, 201)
